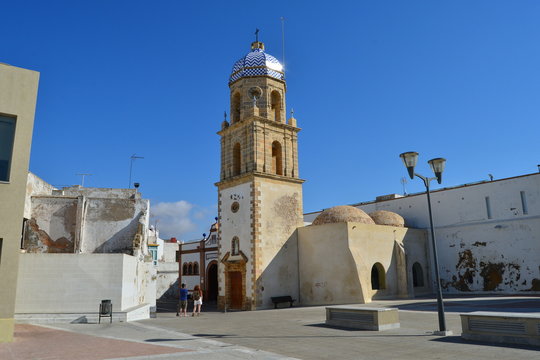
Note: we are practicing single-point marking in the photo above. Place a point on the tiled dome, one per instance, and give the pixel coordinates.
(257, 63)
(343, 213)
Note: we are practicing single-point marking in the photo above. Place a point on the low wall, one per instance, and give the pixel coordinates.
(76, 283)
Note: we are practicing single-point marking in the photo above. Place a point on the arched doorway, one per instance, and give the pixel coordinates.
(418, 275)
(212, 281)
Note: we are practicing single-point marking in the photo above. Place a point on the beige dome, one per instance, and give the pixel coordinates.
(344, 213)
(383, 217)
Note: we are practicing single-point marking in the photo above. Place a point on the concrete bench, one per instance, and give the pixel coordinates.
(501, 327)
(363, 318)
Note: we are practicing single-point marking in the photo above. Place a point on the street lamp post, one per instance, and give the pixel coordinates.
(437, 165)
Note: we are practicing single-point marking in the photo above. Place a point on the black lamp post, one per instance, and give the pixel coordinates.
(437, 165)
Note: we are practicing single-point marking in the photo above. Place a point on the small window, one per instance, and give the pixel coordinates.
(190, 269)
(196, 268)
(417, 275)
(153, 251)
(185, 269)
(7, 135)
(488, 208)
(235, 246)
(524, 203)
(237, 159)
(378, 278)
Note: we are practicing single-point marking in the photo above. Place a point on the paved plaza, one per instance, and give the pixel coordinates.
(271, 334)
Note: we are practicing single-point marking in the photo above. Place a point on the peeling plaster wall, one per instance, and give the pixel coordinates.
(52, 225)
(110, 225)
(479, 252)
(76, 283)
(35, 186)
(167, 280)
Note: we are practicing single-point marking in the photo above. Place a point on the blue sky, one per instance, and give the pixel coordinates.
(367, 80)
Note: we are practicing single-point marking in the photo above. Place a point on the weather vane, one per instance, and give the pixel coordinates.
(257, 35)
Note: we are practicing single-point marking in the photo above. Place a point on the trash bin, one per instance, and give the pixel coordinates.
(105, 310)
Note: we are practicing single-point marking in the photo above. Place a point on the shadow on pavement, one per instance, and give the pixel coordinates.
(459, 340)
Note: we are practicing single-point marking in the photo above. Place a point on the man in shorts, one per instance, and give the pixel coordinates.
(182, 304)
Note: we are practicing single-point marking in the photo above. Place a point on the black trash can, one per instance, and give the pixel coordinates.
(105, 310)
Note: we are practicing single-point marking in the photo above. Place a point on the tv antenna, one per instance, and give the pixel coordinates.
(83, 176)
(403, 182)
(133, 158)
(283, 43)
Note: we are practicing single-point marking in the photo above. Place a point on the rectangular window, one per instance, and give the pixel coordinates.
(524, 203)
(7, 135)
(488, 208)
(1, 243)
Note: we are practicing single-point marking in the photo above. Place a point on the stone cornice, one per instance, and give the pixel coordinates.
(251, 176)
(257, 119)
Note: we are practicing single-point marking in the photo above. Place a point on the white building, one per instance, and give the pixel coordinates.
(488, 233)
(81, 246)
(198, 265)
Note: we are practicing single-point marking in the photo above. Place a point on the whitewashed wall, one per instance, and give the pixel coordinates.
(76, 283)
(477, 252)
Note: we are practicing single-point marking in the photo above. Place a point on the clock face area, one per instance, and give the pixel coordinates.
(235, 217)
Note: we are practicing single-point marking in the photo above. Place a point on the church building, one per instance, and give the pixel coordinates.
(264, 250)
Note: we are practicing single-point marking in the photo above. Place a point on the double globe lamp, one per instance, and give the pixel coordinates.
(437, 165)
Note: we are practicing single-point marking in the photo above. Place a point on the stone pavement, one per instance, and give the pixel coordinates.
(274, 334)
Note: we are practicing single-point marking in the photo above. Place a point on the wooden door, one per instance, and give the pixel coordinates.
(235, 283)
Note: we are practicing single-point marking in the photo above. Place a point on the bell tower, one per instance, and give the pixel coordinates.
(259, 192)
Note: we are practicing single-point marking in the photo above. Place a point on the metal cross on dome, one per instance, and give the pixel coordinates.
(257, 35)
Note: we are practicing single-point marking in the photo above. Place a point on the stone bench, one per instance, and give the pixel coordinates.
(501, 327)
(363, 318)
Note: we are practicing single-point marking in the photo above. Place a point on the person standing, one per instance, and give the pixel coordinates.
(182, 303)
(197, 300)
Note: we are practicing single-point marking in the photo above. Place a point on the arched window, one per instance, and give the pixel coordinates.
(235, 246)
(237, 159)
(417, 275)
(276, 105)
(196, 268)
(185, 269)
(277, 162)
(235, 108)
(378, 277)
(190, 269)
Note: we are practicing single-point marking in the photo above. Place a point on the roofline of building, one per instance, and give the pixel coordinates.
(434, 191)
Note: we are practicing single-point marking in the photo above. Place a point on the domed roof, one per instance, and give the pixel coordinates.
(343, 213)
(383, 217)
(257, 63)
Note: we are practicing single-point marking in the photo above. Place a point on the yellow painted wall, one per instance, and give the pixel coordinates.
(18, 91)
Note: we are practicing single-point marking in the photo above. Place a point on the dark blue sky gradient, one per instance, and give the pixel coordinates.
(367, 80)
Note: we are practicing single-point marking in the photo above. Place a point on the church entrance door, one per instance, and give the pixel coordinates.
(212, 282)
(235, 283)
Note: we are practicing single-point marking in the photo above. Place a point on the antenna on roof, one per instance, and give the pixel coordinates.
(283, 43)
(403, 181)
(490, 177)
(83, 175)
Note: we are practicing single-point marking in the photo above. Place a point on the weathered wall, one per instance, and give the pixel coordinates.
(18, 91)
(76, 283)
(110, 225)
(52, 225)
(335, 261)
(35, 186)
(167, 280)
(480, 252)
(280, 209)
